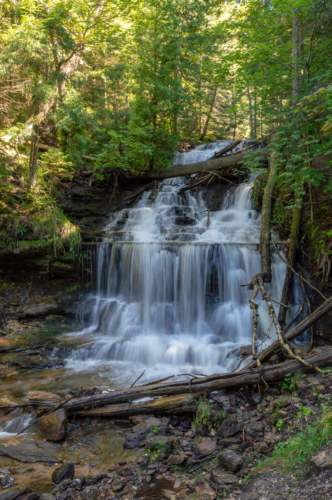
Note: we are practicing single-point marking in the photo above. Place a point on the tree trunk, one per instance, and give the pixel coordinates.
(265, 238)
(208, 116)
(291, 257)
(33, 159)
(296, 55)
(196, 168)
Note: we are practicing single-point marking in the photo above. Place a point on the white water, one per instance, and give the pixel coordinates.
(169, 295)
(17, 423)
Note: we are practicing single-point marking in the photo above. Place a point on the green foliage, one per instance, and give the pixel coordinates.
(157, 449)
(154, 431)
(299, 449)
(290, 382)
(304, 412)
(206, 416)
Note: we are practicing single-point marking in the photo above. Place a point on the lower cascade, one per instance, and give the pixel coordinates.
(170, 275)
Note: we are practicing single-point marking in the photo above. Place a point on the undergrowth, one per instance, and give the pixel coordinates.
(30, 222)
(300, 448)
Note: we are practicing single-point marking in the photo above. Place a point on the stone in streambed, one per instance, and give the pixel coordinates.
(65, 471)
(230, 460)
(42, 396)
(53, 427)
(5, 479)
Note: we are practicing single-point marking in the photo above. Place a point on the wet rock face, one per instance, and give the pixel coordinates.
(53, 427)
(65, 471)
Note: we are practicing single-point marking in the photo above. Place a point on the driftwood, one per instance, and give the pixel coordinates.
(196, 168)
(294, 332)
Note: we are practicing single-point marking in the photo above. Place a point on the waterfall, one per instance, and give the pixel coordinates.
(170, 276)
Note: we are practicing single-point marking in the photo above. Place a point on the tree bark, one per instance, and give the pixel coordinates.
(265, 237)
(296, 55)
(183, 402)
(33, 159)
(196, 168)
(321, 357)
(208, 116)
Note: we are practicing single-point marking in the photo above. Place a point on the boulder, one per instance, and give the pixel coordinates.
(149, 425)
(230, 460)
(245, 350)
(176, 460)
(229, 427)
(65, 471)
(134, 441)
(118, 484)
(53, 427)
(255, 428)
(202, 487)
(261, 447)
(229, 441)
(5, 479)
(221, 477)
(207, 445)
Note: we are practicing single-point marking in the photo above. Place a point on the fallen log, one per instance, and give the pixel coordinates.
(180, 399)
(182, 403)
(196, 168)
(293, 333)
(320, 357)
(226, 149)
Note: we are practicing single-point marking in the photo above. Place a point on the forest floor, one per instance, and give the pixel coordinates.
(233, 448)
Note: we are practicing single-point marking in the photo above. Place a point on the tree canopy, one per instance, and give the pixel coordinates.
(127, 82)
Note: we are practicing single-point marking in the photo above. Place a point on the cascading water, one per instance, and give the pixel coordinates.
(169, 295)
